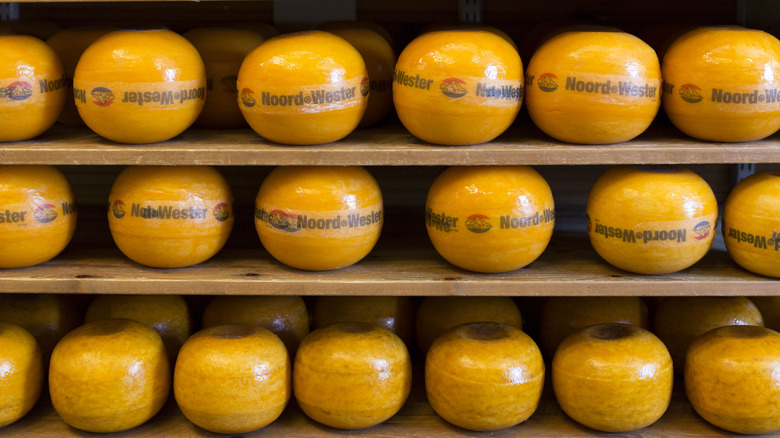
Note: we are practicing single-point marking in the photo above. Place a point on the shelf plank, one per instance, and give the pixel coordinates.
(569, 267)
(387, 145)
(416, 418)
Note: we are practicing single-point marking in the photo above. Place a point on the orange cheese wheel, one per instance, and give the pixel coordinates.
(613, 377)
(490, 218)
(222, 50)
(651, 219)
(562, 316)
(437, 315)
(720, 84)
(380, 59)
(69, 44)
(751, 223)
(232, 378)
(285, 316)
(109, 375)
(38, 211)
(167, 314)
(593, 87)
(319, 218)
(352, 375)
(678, 321)
(458, 87)
(22, 377)
(170, 216)
(140, 86)
(48, 317)
(303, 88)
(32, 87)
(484, 376)
(731, 378)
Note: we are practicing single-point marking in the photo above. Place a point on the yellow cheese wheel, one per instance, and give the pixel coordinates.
(562, 316)
(285, 316)
(751, 223)
(232, 378)
(303, 88)
(109, 375)
(38, 214)
(458, 87)
(436, 315)
(170, 216)
(380, 59)
(678, 321)
(593, 86)
(48, 317)
(651, 219)
(167, 314)
(140, 86)
(490, 218)
(351, 375)
(720, 84)
(222, 50)
(393, 313)
(319, 217)
(731, 378)
(484, 376)
(22, 377)
(613, 377)
(32, 87)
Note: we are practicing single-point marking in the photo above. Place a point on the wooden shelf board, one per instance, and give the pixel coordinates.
(388, 145)
(569, 267)
(416, 418)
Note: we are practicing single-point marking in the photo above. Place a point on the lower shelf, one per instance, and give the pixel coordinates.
(397, 266)
(416, 418)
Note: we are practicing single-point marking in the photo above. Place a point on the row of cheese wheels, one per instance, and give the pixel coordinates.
(448, 87)
(482, 372)
(490, 219)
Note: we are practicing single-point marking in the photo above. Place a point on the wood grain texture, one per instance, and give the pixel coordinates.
(387, 145)
(397, 266)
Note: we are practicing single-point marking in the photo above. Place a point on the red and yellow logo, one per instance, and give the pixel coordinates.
(690, 93)
(546, 82)
(453, 87)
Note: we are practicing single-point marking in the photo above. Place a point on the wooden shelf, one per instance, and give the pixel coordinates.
(388, 145)
(397, 266)
(416, 418)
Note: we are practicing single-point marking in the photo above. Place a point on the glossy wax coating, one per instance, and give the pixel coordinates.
(303, 88)
(352, 375)
(109, 375)
(39, 213)
(651, 219)
(490, 218)
(732, 378)
(319, 217)
(27, 109)
(751, 223)
(170, 216)
(285, 316)
(679, 321)
(721, 82)
(484, 376)
(593, 86)
(613, 377)
(458, 87)
(393, 313)
(232, 378)
(21, 378)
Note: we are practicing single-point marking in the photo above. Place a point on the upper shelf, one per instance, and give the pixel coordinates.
(388, 145)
